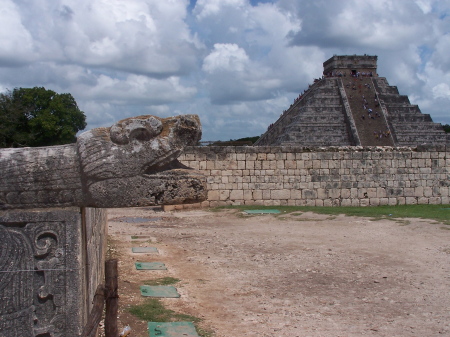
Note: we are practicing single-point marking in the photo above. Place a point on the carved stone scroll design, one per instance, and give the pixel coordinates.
(50, 265)
(132, 163)
(35, 277)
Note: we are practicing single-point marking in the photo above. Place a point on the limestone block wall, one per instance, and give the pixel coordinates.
(328, 176)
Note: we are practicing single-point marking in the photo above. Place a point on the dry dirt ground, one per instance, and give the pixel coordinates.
(300, 274)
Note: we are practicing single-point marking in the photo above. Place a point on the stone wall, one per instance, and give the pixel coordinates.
(328, 176)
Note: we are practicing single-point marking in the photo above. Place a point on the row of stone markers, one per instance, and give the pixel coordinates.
(162, 329)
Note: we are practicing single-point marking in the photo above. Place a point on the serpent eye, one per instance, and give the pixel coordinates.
(140, 128)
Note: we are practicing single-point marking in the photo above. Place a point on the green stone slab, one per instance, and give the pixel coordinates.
(159, 291)
(135, 219)
(144, 250)
(172, 329)
(262, 211)
(150, 266)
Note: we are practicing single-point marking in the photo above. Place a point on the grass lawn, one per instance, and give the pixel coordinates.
(439, 213)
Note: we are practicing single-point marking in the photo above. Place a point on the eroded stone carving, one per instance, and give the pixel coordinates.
(40, 274)
(132, 163)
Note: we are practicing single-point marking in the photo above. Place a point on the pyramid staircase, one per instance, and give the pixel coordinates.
(369, 118)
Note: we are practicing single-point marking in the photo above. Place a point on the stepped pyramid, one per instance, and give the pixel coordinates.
(352, 106)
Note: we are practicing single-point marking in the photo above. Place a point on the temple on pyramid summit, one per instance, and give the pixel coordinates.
(352, 106)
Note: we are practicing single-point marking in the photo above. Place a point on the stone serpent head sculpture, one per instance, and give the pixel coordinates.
(132, 163)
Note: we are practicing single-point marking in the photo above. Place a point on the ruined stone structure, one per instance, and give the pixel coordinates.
(331, 112)
(54, 241)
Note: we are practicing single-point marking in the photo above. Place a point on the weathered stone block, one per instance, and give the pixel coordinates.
(364, 202)
(309, 194)
(236, 194)
(224, 194)
(326, 203)
(418, 191)
(334, 193)
(346, 202)
(408, 192)
(257, 195)
(374, 201)
(280, 194)
(268, 202)
(372, 192)
(355, 202)
(428, 191)
(213, 195)
(422, 201)
(319, 203)
(411, 200)
(47, 280)
(261, 156)
(266, 194)
(435, 200)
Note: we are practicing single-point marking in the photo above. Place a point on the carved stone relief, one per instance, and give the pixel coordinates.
(40, 276)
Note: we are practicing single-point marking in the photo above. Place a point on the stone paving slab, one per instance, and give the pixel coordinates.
(262, 211)
(144, 250)
(172, 329)
(150, 266)
(159, 291)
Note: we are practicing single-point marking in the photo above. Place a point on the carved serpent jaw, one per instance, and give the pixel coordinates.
(133, 163)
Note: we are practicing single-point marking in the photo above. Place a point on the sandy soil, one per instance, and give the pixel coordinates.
(291, 275)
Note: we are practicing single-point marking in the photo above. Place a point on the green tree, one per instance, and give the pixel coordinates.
(38, 117)
(446, 128)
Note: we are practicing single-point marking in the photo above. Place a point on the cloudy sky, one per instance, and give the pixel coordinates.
(236, 63)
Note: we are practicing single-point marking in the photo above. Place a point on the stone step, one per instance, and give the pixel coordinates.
(315, 135)
(395, 100)
(320, 119)
(406, 110)
(329, 139)
(330, 90)
(413, 118)
(425, 126)
(420, 139)
(325, 101)
(327, 116)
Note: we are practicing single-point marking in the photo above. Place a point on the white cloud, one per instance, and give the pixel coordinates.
(225, 57)
(205, 8)
(257, 62)
(441, 90)
(442, 51)
(424, 5)
(138, 36)
(136, 89)
(16, 43)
